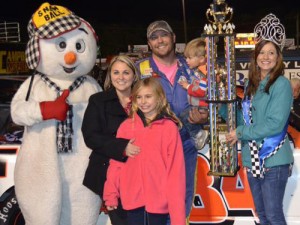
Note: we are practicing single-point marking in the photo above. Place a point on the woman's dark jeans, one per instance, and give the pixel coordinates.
(268, 193)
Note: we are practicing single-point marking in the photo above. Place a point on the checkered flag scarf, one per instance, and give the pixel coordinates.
(258, 163)
(50, 30)
(64, 129)
(255, 169)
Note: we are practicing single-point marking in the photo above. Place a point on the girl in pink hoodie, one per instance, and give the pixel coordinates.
(151, 185)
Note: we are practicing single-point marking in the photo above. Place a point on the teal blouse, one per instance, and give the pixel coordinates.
(270, 113)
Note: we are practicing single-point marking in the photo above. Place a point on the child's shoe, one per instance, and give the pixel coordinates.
(201, 139)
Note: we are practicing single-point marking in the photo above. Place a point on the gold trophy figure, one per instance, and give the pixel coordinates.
(219, 38)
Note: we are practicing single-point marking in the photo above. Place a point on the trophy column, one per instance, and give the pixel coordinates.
(221, 88)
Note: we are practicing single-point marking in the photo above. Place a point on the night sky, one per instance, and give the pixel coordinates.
(128, 11)
(133, 16)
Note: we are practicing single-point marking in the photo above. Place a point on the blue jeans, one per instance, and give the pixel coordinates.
(192, 129)
(139, 216)
(267, 194)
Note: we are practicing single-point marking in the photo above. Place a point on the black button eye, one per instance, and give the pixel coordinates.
(80, 46)
(61, 44)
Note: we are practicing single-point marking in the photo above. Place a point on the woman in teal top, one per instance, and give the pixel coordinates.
(266, 151)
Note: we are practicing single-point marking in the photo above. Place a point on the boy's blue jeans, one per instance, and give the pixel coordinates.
(268, 193)
(192, 129)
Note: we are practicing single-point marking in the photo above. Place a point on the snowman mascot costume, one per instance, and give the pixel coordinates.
(53, 157)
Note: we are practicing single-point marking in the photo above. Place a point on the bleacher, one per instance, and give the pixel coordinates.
(10, 32)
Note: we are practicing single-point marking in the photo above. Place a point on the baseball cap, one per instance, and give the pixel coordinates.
(158, 25)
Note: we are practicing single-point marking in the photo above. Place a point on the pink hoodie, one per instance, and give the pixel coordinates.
(155, 178)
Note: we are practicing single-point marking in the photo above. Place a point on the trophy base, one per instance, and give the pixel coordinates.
(224, 174)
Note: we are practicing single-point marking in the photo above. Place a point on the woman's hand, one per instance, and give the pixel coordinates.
(231, 137)
(132, 150)
(198, 116)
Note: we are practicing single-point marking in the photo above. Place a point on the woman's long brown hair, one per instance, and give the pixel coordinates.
(254, 70)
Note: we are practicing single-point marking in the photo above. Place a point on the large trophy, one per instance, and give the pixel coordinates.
(221, 87)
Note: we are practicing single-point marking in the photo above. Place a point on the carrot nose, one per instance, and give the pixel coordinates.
(70, 58)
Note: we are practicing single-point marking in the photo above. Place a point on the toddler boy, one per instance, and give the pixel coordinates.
(196, 89)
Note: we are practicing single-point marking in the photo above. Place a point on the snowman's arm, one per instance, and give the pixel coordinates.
(56, 109)
(25, 113)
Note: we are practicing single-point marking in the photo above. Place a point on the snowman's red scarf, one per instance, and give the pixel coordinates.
(64, 129)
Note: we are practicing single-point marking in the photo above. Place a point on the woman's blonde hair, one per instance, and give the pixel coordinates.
(295, 82)
(120, 58)
(163, 106)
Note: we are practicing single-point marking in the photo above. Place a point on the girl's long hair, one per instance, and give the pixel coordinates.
(163, 107)
(254, 70)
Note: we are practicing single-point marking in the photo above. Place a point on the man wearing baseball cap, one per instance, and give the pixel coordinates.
(165, 64)
(159, 25)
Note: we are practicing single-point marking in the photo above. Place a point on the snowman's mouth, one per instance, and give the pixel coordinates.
(69, 70)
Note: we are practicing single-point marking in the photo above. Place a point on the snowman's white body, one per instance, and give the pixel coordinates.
(48, 184)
